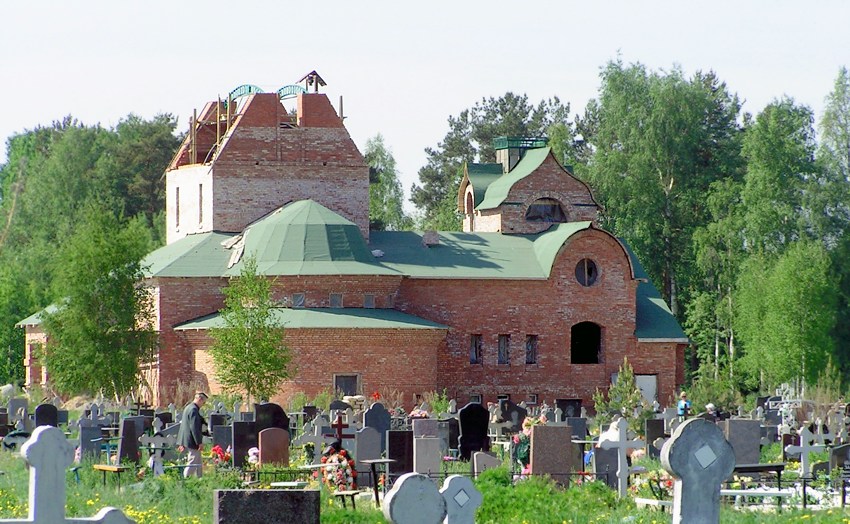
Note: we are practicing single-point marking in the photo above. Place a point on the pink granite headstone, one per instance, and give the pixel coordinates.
(274, 446)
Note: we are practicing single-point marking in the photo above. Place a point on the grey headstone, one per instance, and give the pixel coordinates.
(462, 499)
(87, 447)
(425, 427)
(269, 506)
(400, 449)
(222, 436)
(482, 461)
(700, 459)
(605, 466)
(449, 429)
(427, 456)
(414, 499)
(379, 418)
(367, 446)
(745, 438)
(14, 406)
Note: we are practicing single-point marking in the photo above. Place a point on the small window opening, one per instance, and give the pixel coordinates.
(475, 349)
(336, 300)
(545, 210)
(585, 343)
(298, 300)
(347, 384)
(531, 349)
(586, 272)
(369, 301)
(505, 350)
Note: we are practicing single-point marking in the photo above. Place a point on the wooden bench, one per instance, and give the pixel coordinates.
(347, 493)
(108, 468)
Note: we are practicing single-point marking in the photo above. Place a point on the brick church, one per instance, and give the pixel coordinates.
(532, 301)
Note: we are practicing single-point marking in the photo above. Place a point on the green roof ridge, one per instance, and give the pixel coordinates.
(328, 318)
(549, 242)
(481, 176)
(498, 191)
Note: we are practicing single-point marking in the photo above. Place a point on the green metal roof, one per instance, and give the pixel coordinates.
(333, 318)
(653, 319)
(481, 176)
(474, 255)
(36, 318)
(306, 238)
(199, 255)
(498, 191)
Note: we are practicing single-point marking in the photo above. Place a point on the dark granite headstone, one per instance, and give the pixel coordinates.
(222, 436)
(510, 412)
(339, 405)
(451, 428)
(166, 417)
(62, 417)
(761, 402)
(244, 437)
(128, 446)
(745, 437)
(142, 424)
(87, 447)
(770, 433)
(147, 412)
(378, 417)
(46, 415)
(246, 416)
(310, 413)
(269, 506)
(400, 449)
(270, 415)
(654, 429)
(217, 419)
(839, 458)
(772, 417)
(571, 407)
(474, 421)
(605, 466)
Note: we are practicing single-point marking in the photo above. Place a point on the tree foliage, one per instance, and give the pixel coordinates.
(385, 193)
(623, 398)
(103, 329)
(249, 352)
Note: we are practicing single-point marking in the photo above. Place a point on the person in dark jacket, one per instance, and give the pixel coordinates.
(190, 437)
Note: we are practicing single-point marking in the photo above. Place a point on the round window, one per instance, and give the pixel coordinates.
(586, 272)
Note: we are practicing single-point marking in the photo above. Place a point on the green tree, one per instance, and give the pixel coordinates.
(102, 331)
(660, 142)
(785, 310)
(470, 139)
(623, 398)
(385, 192)
(249, 352)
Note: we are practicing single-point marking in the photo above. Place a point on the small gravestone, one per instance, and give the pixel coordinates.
(427, 457)
(367, 446)
(217, 419)
(462, 499)
(400, 449)
(745, 438)
(87, 447)
(222, 436)
(414, 499)
(338, 405)
(450, 429)
(548, 452)
(14, 406)
(46, 415)
(269, 506)
(62, 417)
(482, 461)
(605, 466)
(569, 408)
(839, 459)
(510, 412)
(270, 415)
(274, 446)
(474, 420)
(425, 427)
(653, 430)
(128, 446)
(244, 437)
(379, 418)
(49, 454)
(790, 441)
(700, 459)
(142, 423)
(166, 417)
(616, 437)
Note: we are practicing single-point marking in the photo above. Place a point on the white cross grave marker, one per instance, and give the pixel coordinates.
(49, 454)
(617, 437)
(804, 449)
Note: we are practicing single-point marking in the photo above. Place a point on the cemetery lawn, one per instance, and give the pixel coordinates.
(170, 500)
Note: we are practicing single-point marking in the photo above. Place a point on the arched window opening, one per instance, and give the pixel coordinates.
(586, 343)
(470, 208)
(545, 210)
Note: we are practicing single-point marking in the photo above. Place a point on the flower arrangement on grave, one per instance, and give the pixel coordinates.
(338, 473)
(522, 441)
(220, 456)
(657, 482)
(309, 452)
(376, 396)
(398, 411)
(418, 413)
(253, 459)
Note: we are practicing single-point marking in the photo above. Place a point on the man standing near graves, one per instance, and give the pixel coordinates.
(684, 406)
(191, 437)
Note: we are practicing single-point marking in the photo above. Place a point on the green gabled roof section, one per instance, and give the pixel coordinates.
(327, 318)
(198, 255)
(653, 319)
(481, 176)
(498, 191)
(36, 318)
(475, 255)
(306, 238)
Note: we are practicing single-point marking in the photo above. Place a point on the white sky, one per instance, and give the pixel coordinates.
(402, 68)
